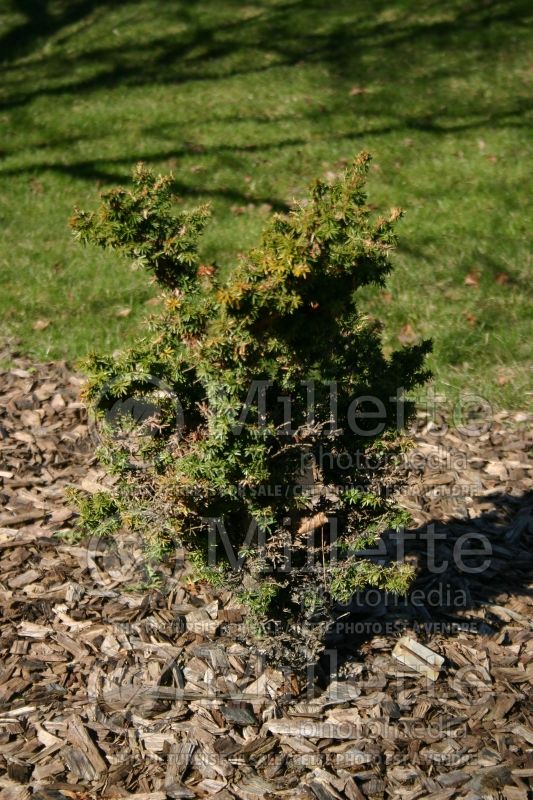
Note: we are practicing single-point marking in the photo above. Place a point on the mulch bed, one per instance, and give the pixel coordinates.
(110, 692)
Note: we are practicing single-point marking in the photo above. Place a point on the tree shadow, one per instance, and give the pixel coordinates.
(49, 56)
(465, 570)
(42, 19)
(289, 34)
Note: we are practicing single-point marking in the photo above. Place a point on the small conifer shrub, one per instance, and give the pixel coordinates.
(268, 427)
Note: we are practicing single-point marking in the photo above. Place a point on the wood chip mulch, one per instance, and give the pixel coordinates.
(109, 692)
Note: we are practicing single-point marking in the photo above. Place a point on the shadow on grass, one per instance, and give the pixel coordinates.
(369, 42)
(42, 19)
(294, 32)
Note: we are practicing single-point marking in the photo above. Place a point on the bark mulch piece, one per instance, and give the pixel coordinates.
(109, 692)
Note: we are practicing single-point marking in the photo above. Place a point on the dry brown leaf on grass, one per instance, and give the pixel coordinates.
(502, 278)
(123, 312)
(502, 380)
(36, 186)
(472, 279)
(153, 301)
(407, 334)
(41, 324)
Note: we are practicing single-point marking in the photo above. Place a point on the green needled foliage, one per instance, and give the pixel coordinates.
(260, 416)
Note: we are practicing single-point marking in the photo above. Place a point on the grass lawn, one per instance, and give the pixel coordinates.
(246, 103)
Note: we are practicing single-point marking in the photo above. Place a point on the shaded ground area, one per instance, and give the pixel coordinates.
(109, 689)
